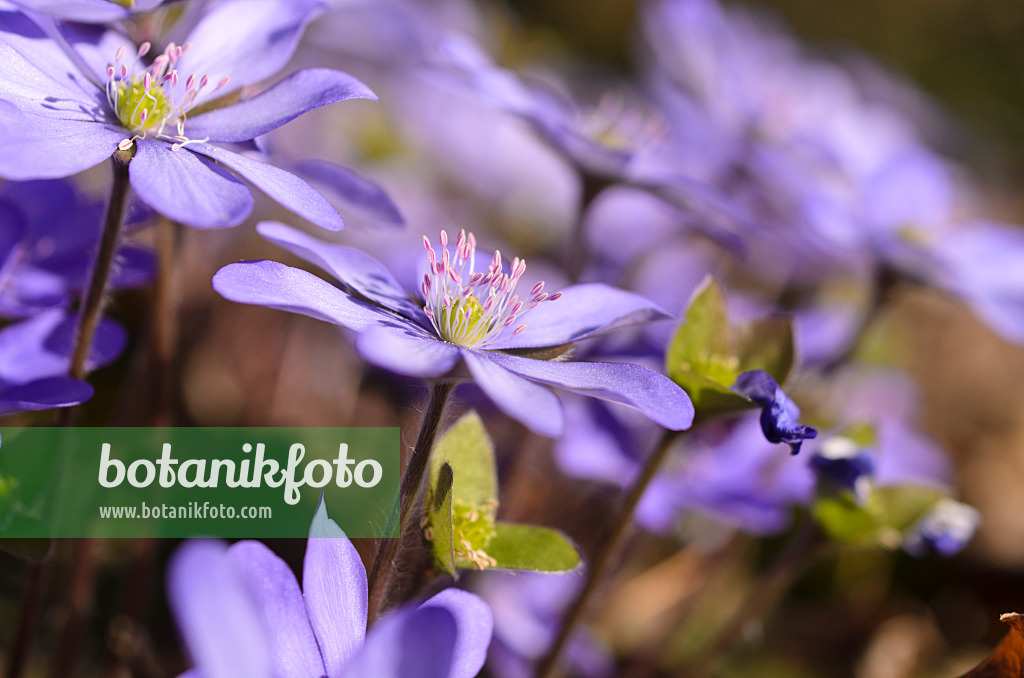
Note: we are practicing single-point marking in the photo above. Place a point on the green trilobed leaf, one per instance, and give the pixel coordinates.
(701, 357)
(470, 452)
(843, 519)
(767, 344)
(528, 547)
(899, 508)
(439, 520)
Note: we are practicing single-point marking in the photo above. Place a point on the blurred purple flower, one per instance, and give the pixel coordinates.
(242, 614)
(42, 394)
(527, 609)
(779, 414)
(48, 233)
(945, 529)
(840, 464)
(466, 311)
(59, 118)
(89, 11)
(41, 346)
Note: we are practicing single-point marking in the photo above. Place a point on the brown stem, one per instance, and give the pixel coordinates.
(577, 253)
(83, 576)
(165, 323)
(22, 641)
(92, 304)
(603, 558)
(384, 560)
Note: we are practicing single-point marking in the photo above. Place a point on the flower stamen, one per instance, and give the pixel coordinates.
(469, 307)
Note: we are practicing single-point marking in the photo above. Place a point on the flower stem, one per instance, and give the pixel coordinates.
(92, 303)
(165, 323)
(412, 481)
(603, 558)
(578, 252)
(30, 602)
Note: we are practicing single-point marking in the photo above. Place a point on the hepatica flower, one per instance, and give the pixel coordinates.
(66, 108)
(468, 310)
(90, 11)
(242, 614)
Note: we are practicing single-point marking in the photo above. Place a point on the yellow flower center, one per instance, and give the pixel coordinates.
(140, 109)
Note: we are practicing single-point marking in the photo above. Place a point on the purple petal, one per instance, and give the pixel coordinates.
(405, 349)
(44, 394)
(583, 311)
(359, 271)
(268, 283)
(246, 40)
(351, 189)
(298, 93)
(334, 585)
(292, 646)
(474, 625)
(216, 613)
(658, 397)
(408, 643)
(41, 346)
(38, 147)
(284, 187)
(186, 187)
(535, 406)
(91, 11)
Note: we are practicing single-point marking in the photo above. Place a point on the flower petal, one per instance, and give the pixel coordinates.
(334, 586)
(474, 625)
(246, 40)
(352, 189)
(216, 614)
(292, 646)
(43, 394)
(403, 348)
(408, 643)
(186, 187)
(299, 93)
(654, 394)
(268, 283)
(284, 187)
(537, 408)
(361, 272)
(583, 311)
(44, 147)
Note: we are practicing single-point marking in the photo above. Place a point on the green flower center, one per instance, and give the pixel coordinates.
(127, 4)
(472, 532)
(141, 109)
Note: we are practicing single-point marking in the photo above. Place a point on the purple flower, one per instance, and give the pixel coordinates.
(779, 414)
(49, 233)
(42, 394)
(467, 311)
(65, 109)
(945, 529)
(527, 609)
(41, 346)
(242, 614)
(89, 11)
(840, 464)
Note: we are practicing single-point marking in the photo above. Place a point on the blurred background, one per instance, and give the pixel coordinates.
(863, 613)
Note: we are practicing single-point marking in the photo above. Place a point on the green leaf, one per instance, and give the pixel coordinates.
(528, 547)
(767, 344)
(439, 520)
(901, 507)
(843, 519)
(703, 344)
(470, 452)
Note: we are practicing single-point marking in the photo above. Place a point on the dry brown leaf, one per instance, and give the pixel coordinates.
(1007, 660)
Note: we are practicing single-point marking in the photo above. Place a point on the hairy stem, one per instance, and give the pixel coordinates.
(577, 253)
(92, 304)
(383, 562)
(165, 323)
(604, 556)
